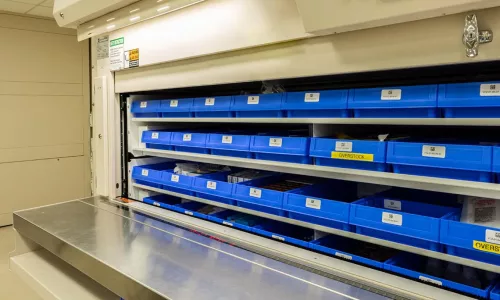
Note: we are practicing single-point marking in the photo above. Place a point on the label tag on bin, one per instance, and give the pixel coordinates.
(352, 156)
(227, 139)
(155, 135)
(313, 203)
(492, 236)
(227, 223)
(211, 185)
(342, 255)
(343, 146)
(390, 218)
(186, 137)
(209, 101)
(391, 94)
(489, 89)
(174, 178)
(392, 204)
(311, 97)
(144, 104)
(253, 100)
(255, 193)
(275, 142)
(174, 103)
(145, 172)
(486, 247)
(434, 151)
(430, 280)
(277, 237)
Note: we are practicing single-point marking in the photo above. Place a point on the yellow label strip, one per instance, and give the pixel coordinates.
(352, 156)
(486, 247)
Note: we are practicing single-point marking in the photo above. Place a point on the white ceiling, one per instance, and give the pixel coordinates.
(41, 8)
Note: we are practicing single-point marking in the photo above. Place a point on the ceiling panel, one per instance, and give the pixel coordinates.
(48, 3)
(42, 8)
(41, 11)
(35, 2)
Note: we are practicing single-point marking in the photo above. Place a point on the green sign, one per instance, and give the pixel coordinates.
(117, 42)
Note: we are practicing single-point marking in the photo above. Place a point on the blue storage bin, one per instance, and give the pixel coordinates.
(414, 266)
(354, 250)
(285, 232)
(229, 145)
(316, 104)
(398, 220)
(446, 160)
(496, 163)
(157, 139)
(469, 240)
(215, 188)
(257, 106)
(146, 109)
(236, 219)
(325, 203)
(353, 154)
(190, 208)
(395, 102)
(249, 194)
(189, 142)
(213, 107)
(286, 149)
(495, 293)
(150, 175)
(176, 108)
(163, 201)
(470, 100)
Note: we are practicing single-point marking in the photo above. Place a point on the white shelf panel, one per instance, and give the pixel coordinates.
(462, 187)
(353, 235)
(361, 121)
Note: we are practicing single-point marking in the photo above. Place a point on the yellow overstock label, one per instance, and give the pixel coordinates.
(352, 156)
(486, 247)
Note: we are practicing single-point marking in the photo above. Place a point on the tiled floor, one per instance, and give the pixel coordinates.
(11, 287)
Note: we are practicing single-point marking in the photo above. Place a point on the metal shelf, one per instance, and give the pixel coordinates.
(359, 121)
(353, 235)
(461, 187)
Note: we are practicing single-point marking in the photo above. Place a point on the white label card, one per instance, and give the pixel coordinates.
(275, 142)
(253, 100)
(227, 139)
(343, 146)
(390, 218)
(145, 172)
(492, 236)
(156, 204)
(391, 94)
(155, 135)
(491, 89)
(211, 185)
(434, 151)
(187, 212)
(430, 280)
(278, 237)
(209, 101)
(174, 103)
(344, 256)
(392, 204)
(255, 193)
(174, 178)
(144, 104)
(227, 223)
(186, 137)
(311, 97)
(313, 203)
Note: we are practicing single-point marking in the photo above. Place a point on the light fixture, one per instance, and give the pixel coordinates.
(109, 20)
(135, 18)
(111, 26)
(159, 1)
(163, 8)
(91, 26)
(134, 10)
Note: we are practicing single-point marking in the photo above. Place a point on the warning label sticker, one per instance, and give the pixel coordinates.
(486, 247)
(352, 156)
(132, 58)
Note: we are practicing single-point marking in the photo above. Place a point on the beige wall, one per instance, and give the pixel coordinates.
(44, 109)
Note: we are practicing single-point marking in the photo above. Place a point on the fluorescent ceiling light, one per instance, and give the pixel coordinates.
(163, 8)
(134, 10)
(134, 19)
(111, 26)
(109, 20)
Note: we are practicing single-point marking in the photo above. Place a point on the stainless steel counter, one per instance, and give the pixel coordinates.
(139, 257)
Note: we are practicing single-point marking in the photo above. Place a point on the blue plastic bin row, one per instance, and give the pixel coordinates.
(461, 100)
(446, 159)
(418, 218)
(380, 257)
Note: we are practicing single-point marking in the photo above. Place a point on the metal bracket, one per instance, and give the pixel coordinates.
(473, 37)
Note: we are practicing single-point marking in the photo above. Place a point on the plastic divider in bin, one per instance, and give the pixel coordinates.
(189, 142)
(180, 108)
(354, 154)
(316, 104)
(442, 274)
(252, 192)
(470, 100)
(278, 148)
(236, 219)
(151, 175)
(326, 203)
(418, 101)
(216, 188)
(229, 144)
(354, 250)
(398, 220)
(157, 139)
(257, 106)
(213, 107)
(441, 159)
(471, 241)
(146, 109)
(285, 232)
